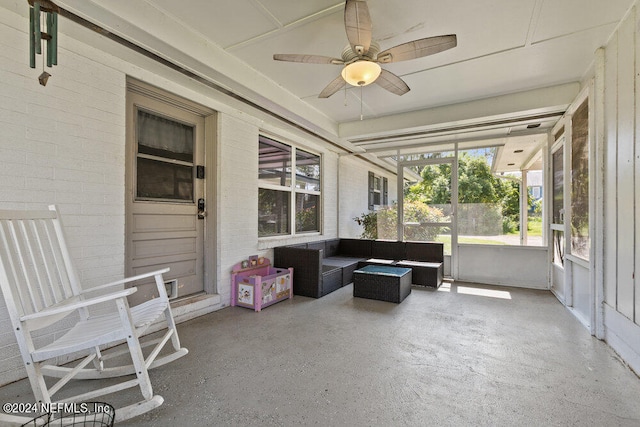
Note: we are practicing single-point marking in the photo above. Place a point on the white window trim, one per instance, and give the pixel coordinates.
(292, 190)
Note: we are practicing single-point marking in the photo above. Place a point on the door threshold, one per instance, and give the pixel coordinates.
(192, 306)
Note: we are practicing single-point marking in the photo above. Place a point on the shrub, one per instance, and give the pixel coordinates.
(382, 224)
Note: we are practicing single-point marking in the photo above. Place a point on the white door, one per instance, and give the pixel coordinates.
(165, 194)
(557, 227)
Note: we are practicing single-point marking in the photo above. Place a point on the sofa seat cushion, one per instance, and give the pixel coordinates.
(409, 264)
(425, 273)
(348, 265)
(329, 268)
(331, 279)
(340, 261)
(379, 261)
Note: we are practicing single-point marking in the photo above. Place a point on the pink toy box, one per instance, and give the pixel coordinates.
(256, 284)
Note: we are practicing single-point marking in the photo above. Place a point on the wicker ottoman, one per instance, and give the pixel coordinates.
(382, 283)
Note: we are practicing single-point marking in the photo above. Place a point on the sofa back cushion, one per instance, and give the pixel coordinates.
(331, 247)
(388, 249)
(318, 246)
(358, 248)
(425, 251)
(306, 263)
(298, 246)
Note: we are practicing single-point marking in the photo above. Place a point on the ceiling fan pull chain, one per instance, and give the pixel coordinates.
(361, 103)
(345, 95)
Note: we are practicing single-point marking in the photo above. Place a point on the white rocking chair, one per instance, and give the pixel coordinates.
(40, 288)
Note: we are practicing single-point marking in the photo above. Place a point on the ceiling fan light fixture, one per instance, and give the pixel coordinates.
(361, 73)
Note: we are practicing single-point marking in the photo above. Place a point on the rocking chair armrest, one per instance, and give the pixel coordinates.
(79, 304)
(125, 280)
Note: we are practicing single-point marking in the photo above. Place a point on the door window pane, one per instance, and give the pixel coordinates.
(159, 136)
(164, 158)
(534, 208)
(580, 182)
(558, 186)
(558, 247)
(161, 180)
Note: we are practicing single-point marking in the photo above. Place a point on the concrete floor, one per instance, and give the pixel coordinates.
(466, 355)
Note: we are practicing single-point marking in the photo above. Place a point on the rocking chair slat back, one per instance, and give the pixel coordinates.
(40, 287)
(35, 269)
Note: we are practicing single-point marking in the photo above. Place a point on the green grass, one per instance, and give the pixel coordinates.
(466, 239)
(474, 240)
(534, 227)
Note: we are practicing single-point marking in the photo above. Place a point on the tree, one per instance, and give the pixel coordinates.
(511, 207)
(476, 183)
(487, 204)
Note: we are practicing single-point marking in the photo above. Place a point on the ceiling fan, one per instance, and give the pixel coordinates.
(362, 56)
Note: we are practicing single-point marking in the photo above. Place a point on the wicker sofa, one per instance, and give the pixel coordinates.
(325, 266)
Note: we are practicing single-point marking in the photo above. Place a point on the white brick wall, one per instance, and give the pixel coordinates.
(63, 144)
(237, 197)
(354, 192)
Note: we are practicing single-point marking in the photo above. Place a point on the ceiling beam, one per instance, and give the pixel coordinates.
(552, 99)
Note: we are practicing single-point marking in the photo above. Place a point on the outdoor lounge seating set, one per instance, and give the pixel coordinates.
(324, 266)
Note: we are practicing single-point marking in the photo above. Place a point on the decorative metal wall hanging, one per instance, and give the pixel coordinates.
(43, 25)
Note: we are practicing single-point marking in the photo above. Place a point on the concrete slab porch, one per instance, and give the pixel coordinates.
(466, 354)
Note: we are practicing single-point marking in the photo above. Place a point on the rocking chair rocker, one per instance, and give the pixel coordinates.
(40, 288)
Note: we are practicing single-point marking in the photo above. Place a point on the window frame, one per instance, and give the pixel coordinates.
(292, 189)
(382, 191)
(161, 159)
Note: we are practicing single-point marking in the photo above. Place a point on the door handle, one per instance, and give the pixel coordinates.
(201, 209)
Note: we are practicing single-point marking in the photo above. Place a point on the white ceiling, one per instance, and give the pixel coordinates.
(508, 52)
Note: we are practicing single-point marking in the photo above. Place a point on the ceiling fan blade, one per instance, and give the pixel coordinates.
(392, 83)
(418, 48)
(307, 59)
(357, 23)
(332, 87)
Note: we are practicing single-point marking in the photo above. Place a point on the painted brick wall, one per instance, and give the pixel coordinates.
(354, 193)
(63, 144)
(237, 195)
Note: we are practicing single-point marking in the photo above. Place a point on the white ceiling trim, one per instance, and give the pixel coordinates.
(522, 104)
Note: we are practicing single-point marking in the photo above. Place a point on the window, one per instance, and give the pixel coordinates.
(378, 189)
(286, 200)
